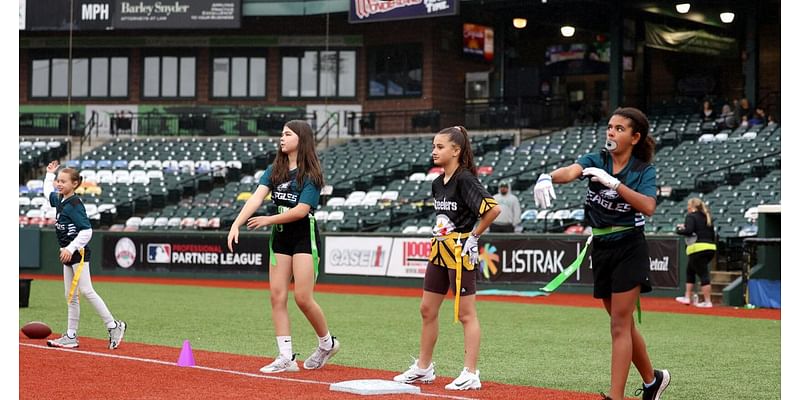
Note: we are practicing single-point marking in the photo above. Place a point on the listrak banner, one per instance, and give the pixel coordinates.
(354, 255)
(393, 10)
(187, 253)
(539, 260)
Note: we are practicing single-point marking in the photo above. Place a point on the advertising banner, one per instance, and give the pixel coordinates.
(409, 257)
(177, 14)
(382, 10)
(130, 14)
(689, 41)
(479, 41)
(541, 260)
(190, 253)
(357, 255)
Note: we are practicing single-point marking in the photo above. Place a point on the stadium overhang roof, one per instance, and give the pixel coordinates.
(252, 8)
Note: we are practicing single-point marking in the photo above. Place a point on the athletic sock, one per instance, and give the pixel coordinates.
(113, 324)
(285, 346)
(647, 385)
(326, 342)
(71, 333)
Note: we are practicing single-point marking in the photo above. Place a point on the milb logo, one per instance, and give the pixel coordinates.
(159, 253)
(94, 12)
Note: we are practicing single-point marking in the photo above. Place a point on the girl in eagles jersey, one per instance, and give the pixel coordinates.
(295, 180)
(622, 188)
(460, 201)
(74, 231)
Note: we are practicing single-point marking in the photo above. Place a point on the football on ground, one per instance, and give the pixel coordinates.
(36, 330)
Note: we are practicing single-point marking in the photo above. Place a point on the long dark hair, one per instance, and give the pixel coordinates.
(645, 149)
(458, 135)
(308, 164)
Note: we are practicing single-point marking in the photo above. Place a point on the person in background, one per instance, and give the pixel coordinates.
(509, 218)
(708, 112)
(700, 247)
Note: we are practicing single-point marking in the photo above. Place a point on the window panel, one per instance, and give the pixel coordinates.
(327, 75)
(258, 77)
(40, 78)
(220, 77)
(59, 77)
(347, 73)
(119, 76)
(80, 77)
(395, 71)
(187, 77)
(99, 81)
(239, 77)
(152, 72)
(169, 76)
(308, 76)
(289, 74)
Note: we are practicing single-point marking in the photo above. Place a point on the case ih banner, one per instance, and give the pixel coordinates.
(392, 10)
(131, 14)
(195, 253)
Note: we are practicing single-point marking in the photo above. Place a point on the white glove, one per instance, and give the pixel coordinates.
(471, 248)
(543, 191)
(598, 175)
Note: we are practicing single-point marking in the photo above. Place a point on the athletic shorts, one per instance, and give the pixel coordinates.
(439, 279)
(621, 265)
(698, 265)
(294, 242)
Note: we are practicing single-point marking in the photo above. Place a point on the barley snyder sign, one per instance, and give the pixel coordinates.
(382, 10)
(177, 14)
(131, 14)
(513, 261)
(162, 253)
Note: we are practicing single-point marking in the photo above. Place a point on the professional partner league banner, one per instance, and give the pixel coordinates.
(382, 10)
(190, 253)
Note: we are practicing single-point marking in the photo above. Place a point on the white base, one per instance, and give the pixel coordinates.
(373, 386)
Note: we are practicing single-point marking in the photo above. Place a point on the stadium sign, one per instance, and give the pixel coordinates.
(177, 14)
(130, 14)
(409, 257)
(184, 253)
(393, 10)
(357, 255)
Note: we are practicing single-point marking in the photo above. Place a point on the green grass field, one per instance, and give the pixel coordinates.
(547, 346)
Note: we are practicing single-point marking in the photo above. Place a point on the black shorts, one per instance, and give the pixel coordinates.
(698, 265)
(621, 265)
(291, 242)
(439, 279)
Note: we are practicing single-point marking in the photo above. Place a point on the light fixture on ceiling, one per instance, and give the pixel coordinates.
(520, 23)
(683, 8)
(567, 30)
(727, 17)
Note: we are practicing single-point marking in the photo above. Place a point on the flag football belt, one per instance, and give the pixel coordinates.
(75, 278)
(446, 252)
(609, 230)
(314, 251)
(698, 247)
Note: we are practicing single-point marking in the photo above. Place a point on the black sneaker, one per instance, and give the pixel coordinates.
(655, 390)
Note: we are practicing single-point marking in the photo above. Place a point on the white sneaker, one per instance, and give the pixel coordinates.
(64, 342)
(416, 374)
(281, 364)
(683, 300)
(705, 304)
(320, 356)
(466, 381)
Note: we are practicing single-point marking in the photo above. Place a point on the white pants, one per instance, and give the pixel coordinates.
(85, 288)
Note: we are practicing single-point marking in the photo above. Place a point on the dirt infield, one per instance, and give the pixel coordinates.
(649, 303)
(138, 371)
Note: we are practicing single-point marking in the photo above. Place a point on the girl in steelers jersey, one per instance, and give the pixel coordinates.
(460, 201)
(622, 188)
(295, 180)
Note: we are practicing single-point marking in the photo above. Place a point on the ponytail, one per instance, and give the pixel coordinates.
(458, 135)
(701, 206)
